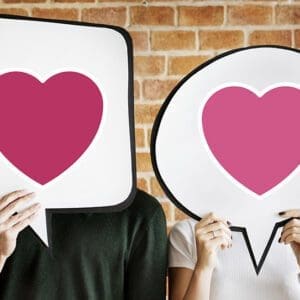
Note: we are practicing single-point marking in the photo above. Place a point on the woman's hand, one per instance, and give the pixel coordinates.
(13, 222)
(291, 231)
(212, 233)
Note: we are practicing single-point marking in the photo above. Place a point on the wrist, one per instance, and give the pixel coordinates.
(204, 267)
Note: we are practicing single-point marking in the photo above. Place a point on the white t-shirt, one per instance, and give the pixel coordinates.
(235, 277)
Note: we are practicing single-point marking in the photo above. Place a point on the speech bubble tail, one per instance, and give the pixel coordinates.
(39, 226)
(259, 244)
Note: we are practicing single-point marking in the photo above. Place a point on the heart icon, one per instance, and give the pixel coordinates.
(254, 138)
(46, 127)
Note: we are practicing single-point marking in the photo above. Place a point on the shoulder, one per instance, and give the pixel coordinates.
(145, 206)
(183, 230)
(182, 245)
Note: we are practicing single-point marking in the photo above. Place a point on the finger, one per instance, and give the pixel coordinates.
(288, 232)
(218, 233)
(292, 213)
(214, 227)
(294, 237)
(25, 213)
(291, 224)
(228, 239)
(208, 219)
(14, 206)
(6, 199)
(220, 242)
(23, 224)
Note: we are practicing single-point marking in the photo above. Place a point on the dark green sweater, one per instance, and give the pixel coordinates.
(120, 255)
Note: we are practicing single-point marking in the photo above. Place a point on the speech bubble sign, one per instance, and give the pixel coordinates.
(225, 141)
(67, 128)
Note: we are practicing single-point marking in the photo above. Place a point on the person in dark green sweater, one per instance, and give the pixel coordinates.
(118, 255)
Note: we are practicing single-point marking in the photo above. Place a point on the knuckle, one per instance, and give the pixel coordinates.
(213, 216)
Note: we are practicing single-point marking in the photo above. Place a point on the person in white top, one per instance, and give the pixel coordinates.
(199, 271)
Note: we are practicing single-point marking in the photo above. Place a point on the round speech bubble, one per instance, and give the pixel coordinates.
(226, 140)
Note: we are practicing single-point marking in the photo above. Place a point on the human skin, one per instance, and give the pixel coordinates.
(212, 234)
(290, 234)
(13, 220)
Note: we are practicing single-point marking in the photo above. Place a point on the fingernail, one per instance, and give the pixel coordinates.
(281, 213)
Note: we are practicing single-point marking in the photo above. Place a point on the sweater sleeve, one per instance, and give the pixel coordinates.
(146, 271)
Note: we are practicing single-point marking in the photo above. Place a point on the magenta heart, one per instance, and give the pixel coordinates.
(46, 127)
(255, 139)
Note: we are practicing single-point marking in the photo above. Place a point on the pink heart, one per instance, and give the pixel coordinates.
(255, 139)
(46, 127)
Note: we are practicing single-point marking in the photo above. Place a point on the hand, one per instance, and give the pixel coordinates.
(212, 233)
(11, 222)
(291, 231)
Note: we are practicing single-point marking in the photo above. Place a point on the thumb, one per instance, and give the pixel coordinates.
(292, 213)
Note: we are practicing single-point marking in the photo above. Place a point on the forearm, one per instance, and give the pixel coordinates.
(199, 286)
(2, 262)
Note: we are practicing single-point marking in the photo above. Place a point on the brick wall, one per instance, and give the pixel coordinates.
(171, 38)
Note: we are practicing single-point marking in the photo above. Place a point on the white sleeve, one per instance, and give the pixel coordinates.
(181, 246)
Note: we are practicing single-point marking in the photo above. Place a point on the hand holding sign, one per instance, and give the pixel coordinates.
(11, 222)
(212, 233)
(226, 140)
(291, 231)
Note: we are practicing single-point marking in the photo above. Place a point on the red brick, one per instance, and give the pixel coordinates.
(249, 14)
(180, 215)
(297, 38)
(23, 1)
(182, 65)
(72, 1)
(136, 90)
(139, 137)
(143, 162)
(151, 15)
(167, 208)
(202, 15)
(173, 40)
(154, 89)
(288, 14)
(14, 11)
(140, 40)
(55, 13)
(145, 113)
(221, 39)
(275, 37)
(149, 65)
(156, 190)
(123, 1)
(105, 15)
(142, 184)
(149, 131)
